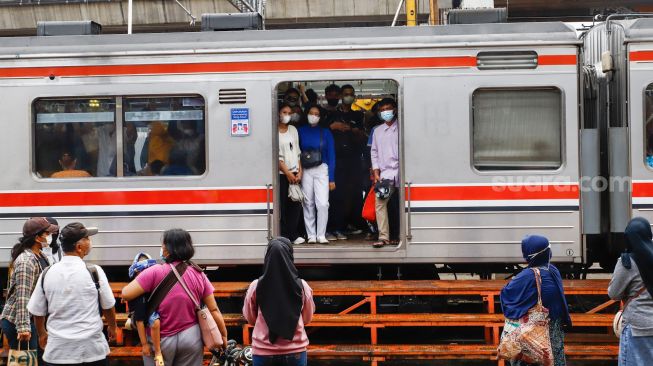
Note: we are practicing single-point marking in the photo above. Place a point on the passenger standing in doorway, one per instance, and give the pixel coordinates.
(290, 174)
(385, 163)
(293, 100)
(346, 201)
(318, 163)
(632, 282)
(279, 304)
(27, 264)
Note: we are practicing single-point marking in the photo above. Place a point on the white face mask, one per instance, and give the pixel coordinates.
(387, 115)
(348, 99)
(313, 120)
(48, 239)
(285, 119)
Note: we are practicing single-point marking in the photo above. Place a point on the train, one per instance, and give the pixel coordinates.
(505, 130)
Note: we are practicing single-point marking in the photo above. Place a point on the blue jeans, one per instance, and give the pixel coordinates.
(290, 359)
(634, 351)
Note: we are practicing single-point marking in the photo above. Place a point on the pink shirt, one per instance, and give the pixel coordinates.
(385, 151)
(177, 311)
(261, 345)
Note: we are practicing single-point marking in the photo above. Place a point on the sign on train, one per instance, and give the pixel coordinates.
(240, 122)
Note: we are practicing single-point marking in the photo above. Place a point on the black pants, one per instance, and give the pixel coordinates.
(346, 201)
(289, 211)
(103, 362)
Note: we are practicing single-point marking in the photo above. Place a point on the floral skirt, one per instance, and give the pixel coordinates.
(557, 344)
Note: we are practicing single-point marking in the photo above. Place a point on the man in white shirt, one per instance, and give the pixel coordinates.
(67, 294)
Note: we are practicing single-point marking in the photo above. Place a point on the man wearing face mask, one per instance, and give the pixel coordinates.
(349, 138)
(385, 163)
(292, 98)
(69, 294)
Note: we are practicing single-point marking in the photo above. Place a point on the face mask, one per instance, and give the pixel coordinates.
(161, 254)
(291, 101)
(349, 99)
(48, 240)
(47, 251)
(313, 120)
(387, 115)
(285, 119)
(333, 101)
(294, 117)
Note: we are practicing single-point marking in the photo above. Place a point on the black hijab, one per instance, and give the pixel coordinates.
(639, 247)
(279, 290)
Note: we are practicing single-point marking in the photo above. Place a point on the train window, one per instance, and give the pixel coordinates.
(74, 137)
(648, 124)
(517, 129)
(164, 136)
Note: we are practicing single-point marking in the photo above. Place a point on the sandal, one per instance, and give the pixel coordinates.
(380, 243)
(158, 360)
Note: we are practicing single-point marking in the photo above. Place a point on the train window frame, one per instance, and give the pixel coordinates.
(647, 86)
(119, 114)
(520, 171)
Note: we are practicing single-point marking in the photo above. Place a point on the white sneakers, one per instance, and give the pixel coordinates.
(299, 240)
(322, 240)
(312, 240)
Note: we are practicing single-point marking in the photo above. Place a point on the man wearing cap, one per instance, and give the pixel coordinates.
(27, 263)
(67, 294)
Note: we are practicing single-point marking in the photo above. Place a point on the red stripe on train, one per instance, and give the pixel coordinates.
(262, 66)
(641, 56)
(485, 193)
(133, 197)
(643, 189)
(222, 196)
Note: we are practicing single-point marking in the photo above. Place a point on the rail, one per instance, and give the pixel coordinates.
(598, 345)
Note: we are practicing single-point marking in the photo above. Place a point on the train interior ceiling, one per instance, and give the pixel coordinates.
(351, 122)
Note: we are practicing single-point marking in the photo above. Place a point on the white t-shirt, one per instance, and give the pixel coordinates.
(289, 151)
(74, 324)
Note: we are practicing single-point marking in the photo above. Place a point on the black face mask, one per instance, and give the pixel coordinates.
(333, 101)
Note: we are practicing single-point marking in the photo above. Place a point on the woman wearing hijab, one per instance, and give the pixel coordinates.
(632, 281)
(520, 294)
(278, 305)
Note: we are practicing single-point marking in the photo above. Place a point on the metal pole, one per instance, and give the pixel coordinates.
(129, 17)
(394, 21)
(411, 13)
(434, 19)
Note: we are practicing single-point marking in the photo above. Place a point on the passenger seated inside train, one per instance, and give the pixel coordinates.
(68, 168)
(345, 110)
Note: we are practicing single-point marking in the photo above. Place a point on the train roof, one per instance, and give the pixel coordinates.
(325, 38)
(640, 30)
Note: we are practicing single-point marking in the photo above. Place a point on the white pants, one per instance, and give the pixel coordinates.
(315, 185)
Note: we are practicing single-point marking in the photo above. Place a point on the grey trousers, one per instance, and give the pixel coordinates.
(182, 349)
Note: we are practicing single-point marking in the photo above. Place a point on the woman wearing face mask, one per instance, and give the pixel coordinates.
(520, 294)
(318, 159)
(27, 263)
(290, 172)
(180, 330)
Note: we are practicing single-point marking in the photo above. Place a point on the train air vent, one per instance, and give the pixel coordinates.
(506, 60)
(232, 96)
(68, 28)
(231, 21)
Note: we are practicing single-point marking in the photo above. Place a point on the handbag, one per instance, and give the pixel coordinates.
(17, 357)
(369, 207)
(210, 333)
(618, 321)
(313, 157)
(527, 339)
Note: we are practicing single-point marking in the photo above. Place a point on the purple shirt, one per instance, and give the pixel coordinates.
(261, 345)
(177, 310)
(385, 151)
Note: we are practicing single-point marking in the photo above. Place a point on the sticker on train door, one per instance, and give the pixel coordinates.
(240, 122)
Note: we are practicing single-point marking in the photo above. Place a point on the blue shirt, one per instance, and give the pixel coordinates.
(309, 139)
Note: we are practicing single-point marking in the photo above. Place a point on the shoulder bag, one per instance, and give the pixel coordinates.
(312, 157)
(618, 321)
(210, 333)
(529, 339)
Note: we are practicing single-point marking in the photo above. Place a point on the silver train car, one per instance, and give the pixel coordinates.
(495, 139)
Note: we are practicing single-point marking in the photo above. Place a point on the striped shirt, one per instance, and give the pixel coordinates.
(26, 271)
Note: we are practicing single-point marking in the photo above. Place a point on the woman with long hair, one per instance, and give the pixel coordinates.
(279, 304)
(27, 263)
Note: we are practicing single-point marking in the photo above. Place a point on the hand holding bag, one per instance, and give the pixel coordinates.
(529, 341)
(22, 358)
(210, 333)
(369, 207)
(618, 321)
